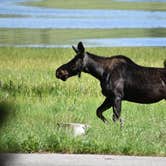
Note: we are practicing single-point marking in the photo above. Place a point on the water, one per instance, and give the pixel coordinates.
(37, 17)
(45, 18)
(107, 42)
(126, 42)
(74, 23)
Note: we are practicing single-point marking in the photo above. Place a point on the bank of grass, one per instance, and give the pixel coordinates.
(33, 101)
(98, 4)
(68, 36)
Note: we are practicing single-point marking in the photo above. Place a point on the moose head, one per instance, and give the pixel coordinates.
(74, 66)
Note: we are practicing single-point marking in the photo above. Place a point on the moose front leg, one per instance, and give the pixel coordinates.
(106, 105)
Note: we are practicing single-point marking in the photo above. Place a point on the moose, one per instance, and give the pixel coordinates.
(120, 79)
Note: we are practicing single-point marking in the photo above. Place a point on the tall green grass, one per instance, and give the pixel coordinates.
(98, 4)
(33, 101)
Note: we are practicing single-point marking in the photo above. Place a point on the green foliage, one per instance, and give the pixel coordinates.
(35, 101)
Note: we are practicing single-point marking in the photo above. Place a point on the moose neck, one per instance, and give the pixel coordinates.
(93, 66)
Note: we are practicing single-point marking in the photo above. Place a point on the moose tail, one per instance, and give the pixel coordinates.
(165, 63)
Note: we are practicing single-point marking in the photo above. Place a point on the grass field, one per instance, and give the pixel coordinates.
(33, 101)
(68, 36)
(98, 4)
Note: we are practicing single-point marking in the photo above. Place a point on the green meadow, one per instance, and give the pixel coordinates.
(33, 101)
(69, 36)
(98, 4)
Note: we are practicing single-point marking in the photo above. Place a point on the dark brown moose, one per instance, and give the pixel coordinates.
(120, 79)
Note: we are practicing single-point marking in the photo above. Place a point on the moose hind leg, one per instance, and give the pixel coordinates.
(117, 108)
(106, 105)
(117, 111)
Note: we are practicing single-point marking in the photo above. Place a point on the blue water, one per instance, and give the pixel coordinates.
(73, 23)
(37, 17)
(126, 42)
(107, 42)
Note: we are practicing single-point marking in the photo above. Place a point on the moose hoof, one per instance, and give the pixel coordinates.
(114, 118)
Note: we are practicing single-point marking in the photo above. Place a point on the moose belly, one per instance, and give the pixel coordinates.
(144, 96)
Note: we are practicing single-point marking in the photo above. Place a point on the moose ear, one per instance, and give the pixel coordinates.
(75, 49)
(80, 47)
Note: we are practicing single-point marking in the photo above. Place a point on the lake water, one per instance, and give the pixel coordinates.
(107, 42)
(126, 42)
(37, 17)
(46, 18)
